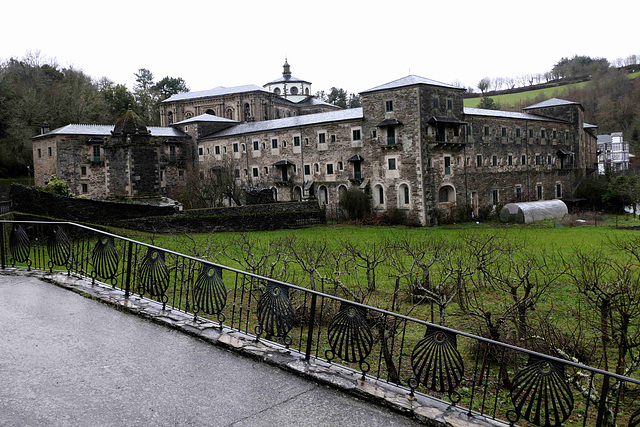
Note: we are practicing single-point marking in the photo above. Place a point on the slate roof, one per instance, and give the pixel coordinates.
(287, 79)
(553, 102)
(311, 100)
(506, 114)
(210, 118)
(105, 130)
(410, 81)
(602, 139)
(217, 91)
(586, 125)
(289, 122)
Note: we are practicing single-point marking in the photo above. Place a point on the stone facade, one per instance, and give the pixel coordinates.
(412, 146)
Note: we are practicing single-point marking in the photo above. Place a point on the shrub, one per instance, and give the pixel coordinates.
(56, 186)
(356, 203)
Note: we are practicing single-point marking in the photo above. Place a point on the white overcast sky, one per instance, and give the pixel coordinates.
(354, 45)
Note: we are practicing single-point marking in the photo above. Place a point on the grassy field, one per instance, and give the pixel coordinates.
(529, 97)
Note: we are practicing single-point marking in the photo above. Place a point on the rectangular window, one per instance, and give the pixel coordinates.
(355, 134)
(555, 134)
(255, 172)
(449, 104)
(392, 164)
(274, 143)
(523, 160)
(530, 133)
(329, 168)
(235, 147)
(256, 145)
(388, 106)
(486, 131)
(539, 191)
(558, 190)
(39, 153)
(566, 135)
(296, 141)
(447, 165)
(83, 170)
(307, 169)
(538, 159)
(217, 149)
(322, 138)
(85, 188)
(518, 194)
(333, 138)
(49, 148)
(236, 173)
(391, 135)
(435, 103)
(96, 153)
(180, 175)
(517, 132)
(374, 134)
(479, 160)
(494, 197)
(494, 160)
(549, 159)
(543, 134)
(504, 132)
(510, 160)
(200, 151)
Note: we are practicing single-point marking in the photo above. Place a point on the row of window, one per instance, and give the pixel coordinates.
(542, 133)
(539, 193)
(538, 160)
(403, 195)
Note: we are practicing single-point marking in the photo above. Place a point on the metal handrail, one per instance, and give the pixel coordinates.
(314, 294)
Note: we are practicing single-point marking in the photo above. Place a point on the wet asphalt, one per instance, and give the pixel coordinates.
(66, 360)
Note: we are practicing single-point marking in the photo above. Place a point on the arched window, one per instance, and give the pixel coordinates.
(294, 90)
(247, 112)
(210, 111)
(274, 190)
(446, 194)
(297, 194)
(306, 91)
(188, 115)
(403, 195)
(342, 190)
(170, 117)
(378, 195)
(277, 91)
(323, 195)
(229, 113)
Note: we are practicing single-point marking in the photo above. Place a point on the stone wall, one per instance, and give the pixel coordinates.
(28, 200)
(239, 218)
(166, 219)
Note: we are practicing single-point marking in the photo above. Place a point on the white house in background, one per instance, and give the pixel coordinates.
(613, 152)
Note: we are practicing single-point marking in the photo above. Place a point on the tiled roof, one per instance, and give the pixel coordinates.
(289, 122)
(553, 102)
(410, 81)
(105, 130)
(210, 118)
(217, 91)
(506, 114)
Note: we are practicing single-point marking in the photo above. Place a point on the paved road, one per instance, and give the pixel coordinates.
(67, 360)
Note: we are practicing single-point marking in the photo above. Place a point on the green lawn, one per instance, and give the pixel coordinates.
(528, 97)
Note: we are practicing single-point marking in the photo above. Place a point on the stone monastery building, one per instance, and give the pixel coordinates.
(412, 146)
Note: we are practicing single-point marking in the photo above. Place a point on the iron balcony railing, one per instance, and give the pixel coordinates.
(486, 377)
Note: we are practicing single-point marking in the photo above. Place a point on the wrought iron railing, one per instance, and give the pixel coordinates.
(5, 206)
(486, 377)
